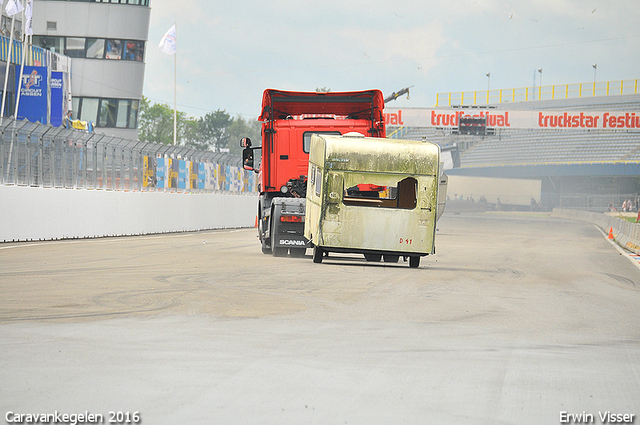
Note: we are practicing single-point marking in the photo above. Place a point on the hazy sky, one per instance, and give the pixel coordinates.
(230, 51)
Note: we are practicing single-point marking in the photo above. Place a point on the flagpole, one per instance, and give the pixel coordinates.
(6, 74)
(168, 46)
(24, 54)
(175, 101)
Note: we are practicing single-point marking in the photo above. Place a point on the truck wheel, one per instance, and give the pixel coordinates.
(414, 262)
(276, 251)
(373, 257)
(317, 254)
(266, 243)
(391, 258)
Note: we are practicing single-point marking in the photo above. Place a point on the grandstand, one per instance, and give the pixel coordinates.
(577, 167)
(509, 148)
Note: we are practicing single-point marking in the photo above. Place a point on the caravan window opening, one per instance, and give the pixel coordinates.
(401, 196)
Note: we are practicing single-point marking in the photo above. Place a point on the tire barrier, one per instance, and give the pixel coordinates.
(625, 234)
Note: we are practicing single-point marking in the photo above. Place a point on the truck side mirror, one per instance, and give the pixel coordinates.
(245, 142)
(247, 158)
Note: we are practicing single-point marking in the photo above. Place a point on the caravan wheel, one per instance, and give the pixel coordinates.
(318, 253)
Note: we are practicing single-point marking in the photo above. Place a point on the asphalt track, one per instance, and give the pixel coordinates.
(517, 319)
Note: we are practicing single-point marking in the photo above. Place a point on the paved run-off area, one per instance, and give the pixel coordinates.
(517, 319)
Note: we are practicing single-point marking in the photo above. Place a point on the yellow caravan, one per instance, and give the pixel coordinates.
(377, 197)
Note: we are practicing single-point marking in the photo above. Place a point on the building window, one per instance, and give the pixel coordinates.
(55, 44)
(6, 27)
(113, 113)
(92, 48)
(108, 110)
(123, 113)
(95, 48)
(133, 50)
(75, 47)
(133, 114)
(88, 109)
(114, 49)
(135, 2)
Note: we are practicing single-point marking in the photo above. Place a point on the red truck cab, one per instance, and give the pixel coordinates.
(288, 121)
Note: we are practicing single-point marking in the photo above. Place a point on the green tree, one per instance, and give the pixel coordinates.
(191, 135)
(155, 122)
(240, 128)
(214, 129)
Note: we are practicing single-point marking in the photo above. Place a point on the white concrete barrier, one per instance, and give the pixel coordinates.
(625, 234)
(36, 213)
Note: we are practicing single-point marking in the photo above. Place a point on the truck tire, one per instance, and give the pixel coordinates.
(391, 258)
(266, 243)
(276, 251)
(318, 253)
(414, 262)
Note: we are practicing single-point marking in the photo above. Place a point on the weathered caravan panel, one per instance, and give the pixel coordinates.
(374, 196)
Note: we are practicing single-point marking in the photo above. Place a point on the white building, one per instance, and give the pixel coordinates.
(106, 40)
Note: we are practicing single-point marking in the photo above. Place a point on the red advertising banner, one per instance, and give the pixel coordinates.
(558, 119)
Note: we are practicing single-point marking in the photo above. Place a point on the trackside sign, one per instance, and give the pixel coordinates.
(558, 119)
(33, 88)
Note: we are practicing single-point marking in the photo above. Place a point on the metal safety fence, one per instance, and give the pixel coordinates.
(32, 154)
(525, 94)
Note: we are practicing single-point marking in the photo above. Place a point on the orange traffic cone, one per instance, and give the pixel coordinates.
(610, 232)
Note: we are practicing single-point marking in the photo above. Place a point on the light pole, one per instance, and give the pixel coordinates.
(595, 73)
(540, 71)
(488, 85)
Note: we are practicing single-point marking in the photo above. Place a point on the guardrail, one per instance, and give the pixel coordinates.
(626, 234)
(32, 154)
(524, 94)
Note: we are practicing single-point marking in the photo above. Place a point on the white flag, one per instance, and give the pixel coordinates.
(13, 7)
(168, 42)
(28, 15)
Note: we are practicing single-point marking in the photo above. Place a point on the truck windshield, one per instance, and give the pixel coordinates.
(306, 138)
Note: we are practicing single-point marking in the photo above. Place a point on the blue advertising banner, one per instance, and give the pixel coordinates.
(33, 94)
(182, 175)
(57, 99)
(160, 172)
(201, 175)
